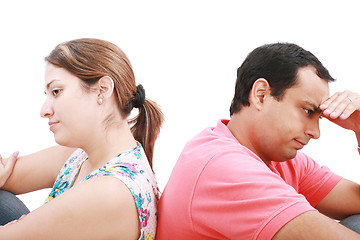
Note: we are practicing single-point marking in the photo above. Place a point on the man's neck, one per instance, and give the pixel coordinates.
(242, 125)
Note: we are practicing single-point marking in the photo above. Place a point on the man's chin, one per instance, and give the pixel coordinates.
(292, 155)
(289, 155)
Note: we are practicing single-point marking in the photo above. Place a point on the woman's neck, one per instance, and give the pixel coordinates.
(108, 144)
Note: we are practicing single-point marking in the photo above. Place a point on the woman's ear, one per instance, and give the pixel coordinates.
(105, 86)
(259, 93)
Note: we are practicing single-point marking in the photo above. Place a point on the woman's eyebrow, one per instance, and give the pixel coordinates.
(49, 84)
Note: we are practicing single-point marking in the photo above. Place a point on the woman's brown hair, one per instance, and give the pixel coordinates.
(89, 60)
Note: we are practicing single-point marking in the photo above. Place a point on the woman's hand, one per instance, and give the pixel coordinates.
(343, 109)
(6, 167)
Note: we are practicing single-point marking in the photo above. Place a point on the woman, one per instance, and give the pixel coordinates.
(106, 188)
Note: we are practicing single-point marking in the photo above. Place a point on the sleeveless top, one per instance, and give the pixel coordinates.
(133, 169)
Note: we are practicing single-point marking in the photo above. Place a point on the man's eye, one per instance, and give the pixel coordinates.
(309, 112)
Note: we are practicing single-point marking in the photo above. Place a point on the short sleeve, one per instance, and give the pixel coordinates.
(315, 181)
(238, 195)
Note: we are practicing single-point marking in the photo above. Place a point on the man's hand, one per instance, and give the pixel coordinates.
(343, 109)
(6, 167)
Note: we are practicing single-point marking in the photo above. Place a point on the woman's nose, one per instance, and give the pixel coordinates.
(46, 109)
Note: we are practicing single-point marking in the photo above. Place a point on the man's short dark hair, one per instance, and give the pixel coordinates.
(278, 63)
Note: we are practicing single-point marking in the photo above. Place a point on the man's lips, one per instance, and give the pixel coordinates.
(301, 143)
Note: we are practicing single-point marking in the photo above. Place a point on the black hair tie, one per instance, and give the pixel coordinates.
(139, 97)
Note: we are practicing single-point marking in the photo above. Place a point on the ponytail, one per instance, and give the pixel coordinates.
(146, 126)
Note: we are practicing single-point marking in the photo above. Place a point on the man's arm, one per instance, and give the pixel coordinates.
(342, 201)
(314, 225)
(343, 109)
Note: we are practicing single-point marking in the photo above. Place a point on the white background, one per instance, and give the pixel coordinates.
(185, 53)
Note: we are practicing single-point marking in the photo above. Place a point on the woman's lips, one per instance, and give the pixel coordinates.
(52, 125)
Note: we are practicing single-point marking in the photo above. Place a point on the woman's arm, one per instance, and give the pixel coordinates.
(38, 170)
(99, 208)
(6, 167)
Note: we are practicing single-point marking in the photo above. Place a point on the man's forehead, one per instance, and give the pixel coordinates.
(309, 83)
(312, 95)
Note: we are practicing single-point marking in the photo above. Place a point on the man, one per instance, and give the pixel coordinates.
(245, 179)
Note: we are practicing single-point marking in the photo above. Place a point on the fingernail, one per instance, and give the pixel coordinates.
(326, 112)
(16, 154)
(343, 116)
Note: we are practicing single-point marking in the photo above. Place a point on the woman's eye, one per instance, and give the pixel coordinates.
(55, 92)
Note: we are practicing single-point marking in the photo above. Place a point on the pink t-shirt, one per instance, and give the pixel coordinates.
(219, 189)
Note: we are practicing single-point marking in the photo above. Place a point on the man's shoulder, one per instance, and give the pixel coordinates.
(211, 146)
(212, 142)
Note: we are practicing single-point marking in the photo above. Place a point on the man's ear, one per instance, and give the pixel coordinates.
(259, 93)
(105, 86)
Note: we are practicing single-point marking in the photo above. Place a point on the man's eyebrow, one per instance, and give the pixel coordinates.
(315, 108)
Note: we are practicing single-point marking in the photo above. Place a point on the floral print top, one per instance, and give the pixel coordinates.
(133, 169)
